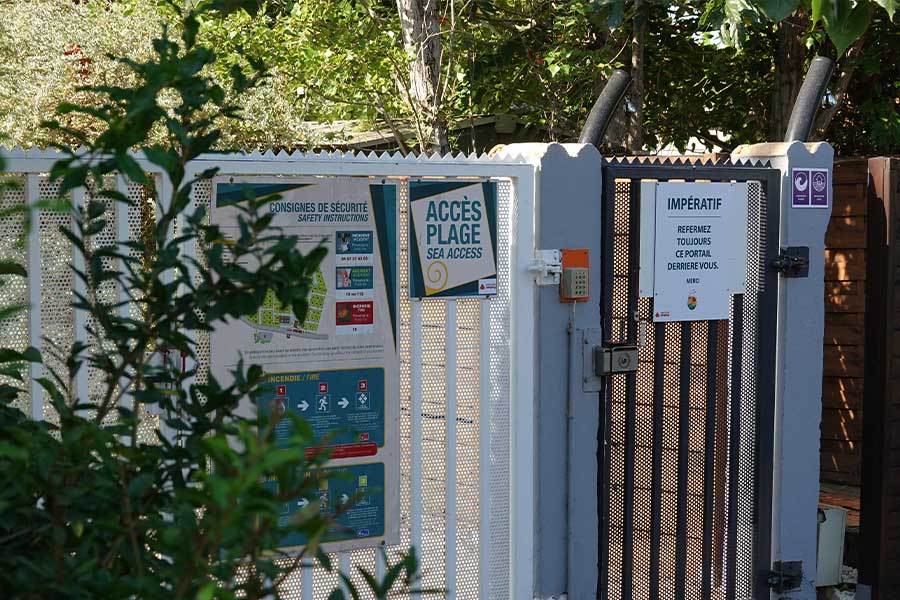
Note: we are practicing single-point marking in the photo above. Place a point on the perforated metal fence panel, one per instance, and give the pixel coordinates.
(686, 453)
(463, 330)
(456, 395)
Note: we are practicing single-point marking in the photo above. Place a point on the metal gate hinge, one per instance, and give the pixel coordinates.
(793, 261)
(785, 575)
(612, 359)
(546, 266)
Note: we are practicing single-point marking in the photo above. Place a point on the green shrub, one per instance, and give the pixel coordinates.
(87, 510)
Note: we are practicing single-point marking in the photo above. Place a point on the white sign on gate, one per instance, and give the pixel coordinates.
(454, 225)
(336, 366)
(696, 234)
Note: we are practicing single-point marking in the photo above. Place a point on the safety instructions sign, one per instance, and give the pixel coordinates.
(697, 238)
(453, 239)
(337, 366)
(346, 403)
(353, 498)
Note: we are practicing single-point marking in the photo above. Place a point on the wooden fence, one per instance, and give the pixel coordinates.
(845, 306)
(861, 376)
(880, 517)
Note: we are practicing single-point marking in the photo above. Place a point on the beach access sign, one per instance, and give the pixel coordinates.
(336, 366)
(693, 248)
(453, 239)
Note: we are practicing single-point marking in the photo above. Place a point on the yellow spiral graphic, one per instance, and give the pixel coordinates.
(437, 276)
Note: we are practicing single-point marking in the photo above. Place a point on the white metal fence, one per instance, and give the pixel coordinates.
(467, 422)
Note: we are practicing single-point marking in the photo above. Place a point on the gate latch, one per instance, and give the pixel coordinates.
(792, 262)
(616, 358)
(785, 575)
(546, 266)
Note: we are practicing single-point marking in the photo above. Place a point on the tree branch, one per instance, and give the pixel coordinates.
(823, 121)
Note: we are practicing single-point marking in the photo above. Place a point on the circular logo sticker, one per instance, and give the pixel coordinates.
(819, 181)
(692, 301)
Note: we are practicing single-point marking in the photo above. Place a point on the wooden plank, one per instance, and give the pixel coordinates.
(838, 424)
(886, 525)
(849, 303)
(856, 288)
(835, 461)
(892, 456)
(845, 265)
(842, 478)
(852, 171)
(844, 361)
(846, 232)
(845, 328)
(849, 200)
(845, 446)
(845, 296)
(842, 392)
(895, 313)
(895, 347)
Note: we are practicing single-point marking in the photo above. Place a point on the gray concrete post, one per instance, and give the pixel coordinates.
(798, 379)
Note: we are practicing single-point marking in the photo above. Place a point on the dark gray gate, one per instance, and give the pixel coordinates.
(686, 441)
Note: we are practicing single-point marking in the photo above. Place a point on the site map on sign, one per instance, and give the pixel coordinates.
(273, 317)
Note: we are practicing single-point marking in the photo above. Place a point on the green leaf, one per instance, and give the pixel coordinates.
(227, 7)
(845, 23)
(818, 6)
(324, 560)
(351, 587)
(207, 592)
(140, 484)
(8, 267)
(7, 450)
(10, 355)
(131, 169)
(734, 10)
(161, 156)
(890, 6)
(778, 9)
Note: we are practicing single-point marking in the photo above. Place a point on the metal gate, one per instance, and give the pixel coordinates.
(685, 465)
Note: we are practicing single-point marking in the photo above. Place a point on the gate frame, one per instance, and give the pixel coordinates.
(717, 171)
(798, 376)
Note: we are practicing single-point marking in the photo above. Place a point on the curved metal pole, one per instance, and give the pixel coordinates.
(808, 100)
(601, 113)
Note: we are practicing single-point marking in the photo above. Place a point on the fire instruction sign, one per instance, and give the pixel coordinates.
(333, 403)
(337, 366)
(698, 246)
(453, 239)
(353, 498)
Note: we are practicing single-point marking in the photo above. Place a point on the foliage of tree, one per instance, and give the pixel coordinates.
(717, 71)
(51, 49)
(89, 509)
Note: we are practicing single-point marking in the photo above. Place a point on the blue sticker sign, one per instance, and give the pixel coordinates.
(347, 403)
(354, 496)
(354, 242)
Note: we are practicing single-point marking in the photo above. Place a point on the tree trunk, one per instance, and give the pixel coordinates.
(638, 43)
(790, 58)
(422, 40)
